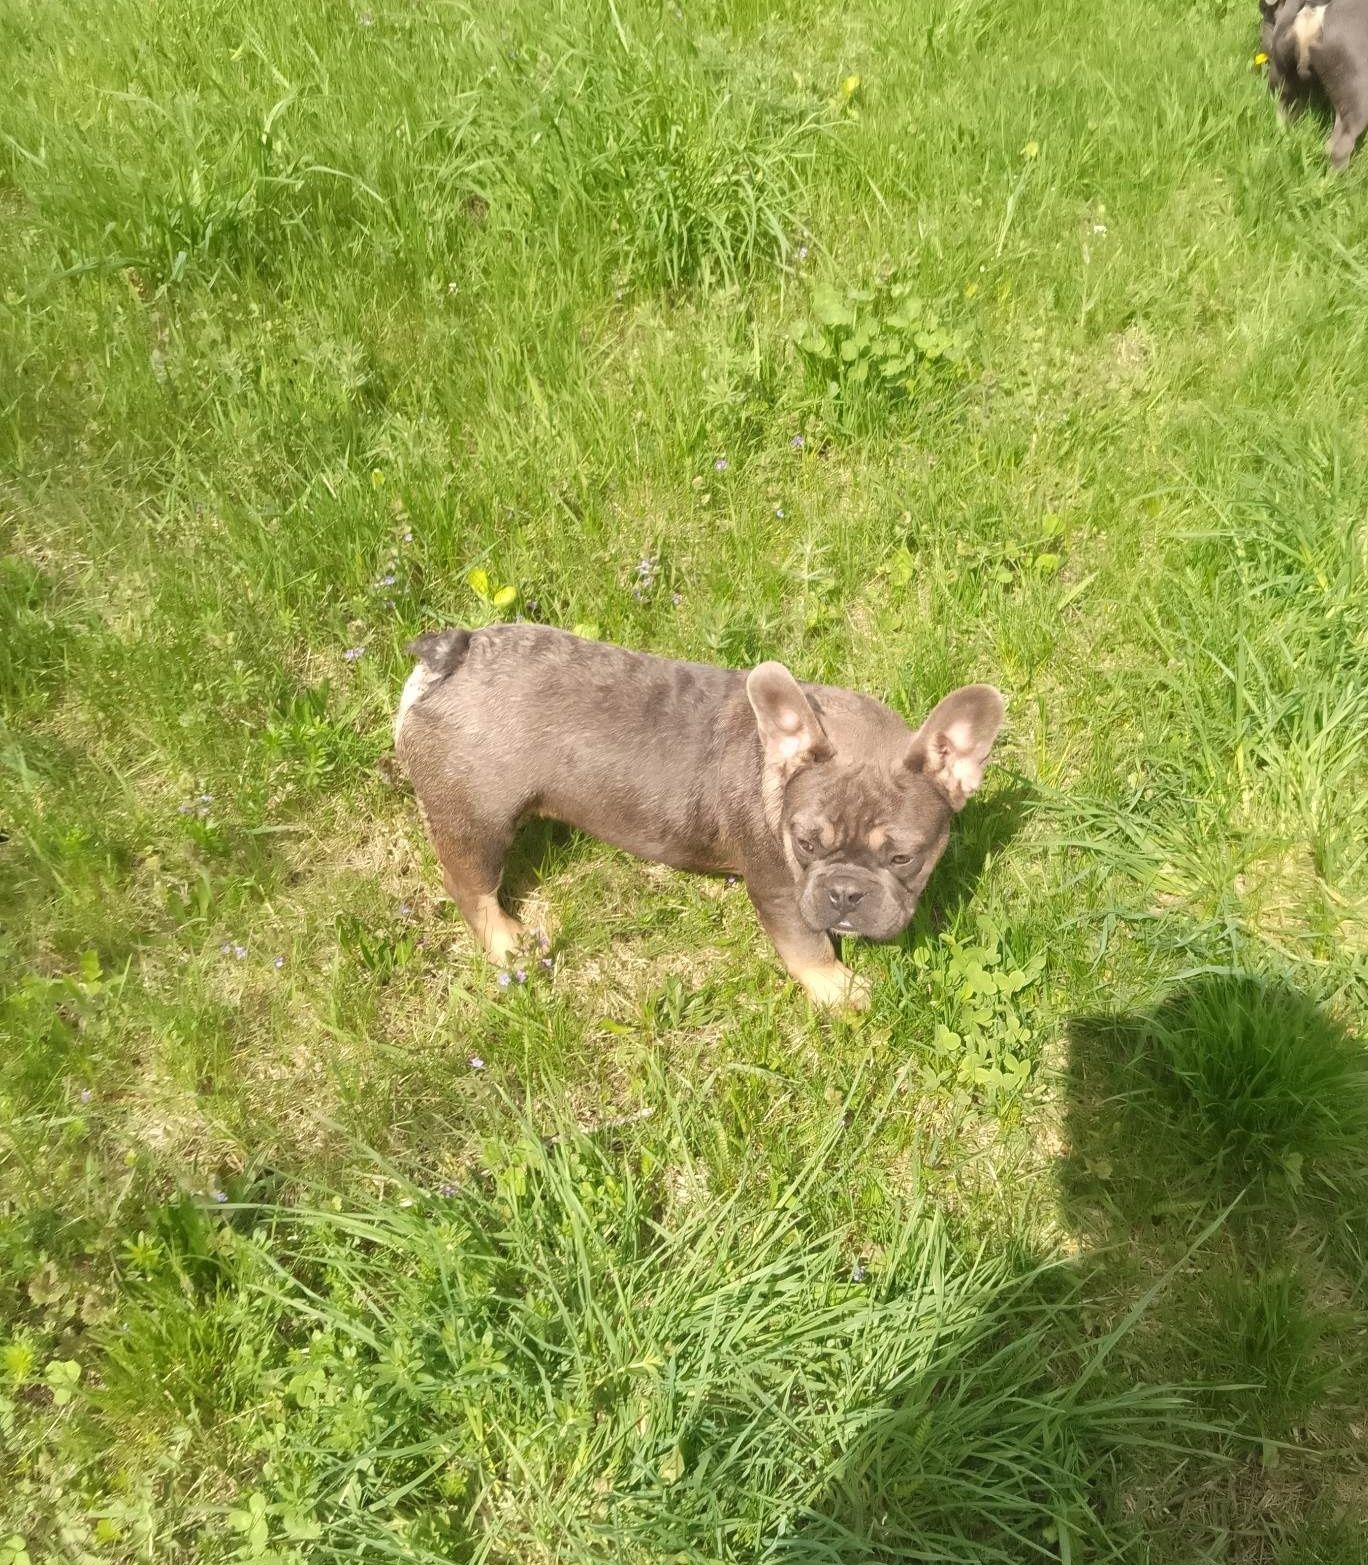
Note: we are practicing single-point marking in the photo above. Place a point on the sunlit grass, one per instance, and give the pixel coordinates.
(913, 346)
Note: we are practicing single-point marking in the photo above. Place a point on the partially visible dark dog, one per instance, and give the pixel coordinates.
(833, 810)
(1326, 46)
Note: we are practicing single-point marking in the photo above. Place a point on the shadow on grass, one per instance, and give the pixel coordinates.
(729, 1369)
(541, 849)
(1242, 1097)
(1215, 1176)
(976, 838)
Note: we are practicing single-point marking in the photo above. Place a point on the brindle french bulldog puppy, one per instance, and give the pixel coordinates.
(825, 802)
(1320, 45)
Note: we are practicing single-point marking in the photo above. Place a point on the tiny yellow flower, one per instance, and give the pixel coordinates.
(377, 479)
(1260, 58)
(1031, 150)
(850, 86)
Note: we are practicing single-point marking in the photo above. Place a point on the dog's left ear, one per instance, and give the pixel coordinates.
(952, 744)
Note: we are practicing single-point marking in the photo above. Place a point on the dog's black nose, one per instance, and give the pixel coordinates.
(843, 896)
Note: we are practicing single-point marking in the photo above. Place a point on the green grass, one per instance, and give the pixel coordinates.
(912, 344)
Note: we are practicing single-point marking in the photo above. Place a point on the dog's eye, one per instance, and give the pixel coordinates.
(900, 858)
(803, 844)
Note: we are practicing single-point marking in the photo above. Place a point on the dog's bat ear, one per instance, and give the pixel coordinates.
(789, 729)
(952, 745)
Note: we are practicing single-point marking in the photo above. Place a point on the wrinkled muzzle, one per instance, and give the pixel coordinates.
(846, 899)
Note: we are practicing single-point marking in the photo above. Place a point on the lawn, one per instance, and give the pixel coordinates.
(910, 343)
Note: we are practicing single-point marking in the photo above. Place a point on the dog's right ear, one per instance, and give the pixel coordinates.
(789, 730)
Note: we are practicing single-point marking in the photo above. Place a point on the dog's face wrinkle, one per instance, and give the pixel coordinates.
(844, 824)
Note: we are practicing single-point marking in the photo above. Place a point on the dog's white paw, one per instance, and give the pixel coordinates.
(501, 935)
(834, 985)
(504, 943)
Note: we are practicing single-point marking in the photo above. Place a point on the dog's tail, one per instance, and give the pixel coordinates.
(441, 651)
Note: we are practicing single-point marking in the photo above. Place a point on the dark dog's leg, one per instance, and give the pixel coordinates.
(809, 956)
(1288, 96)
(1351, 117)
(472, 866)
(1290, 104)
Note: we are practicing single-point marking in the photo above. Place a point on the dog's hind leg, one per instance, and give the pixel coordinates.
(1351, 118)
(472, 866)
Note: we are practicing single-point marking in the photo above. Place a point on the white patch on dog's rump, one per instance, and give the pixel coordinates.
(1307, 29)
(416, 686)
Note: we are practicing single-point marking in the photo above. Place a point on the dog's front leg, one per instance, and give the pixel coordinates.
(809, 955)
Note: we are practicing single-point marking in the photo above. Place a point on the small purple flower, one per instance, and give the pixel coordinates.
(779, 512)
(548, 962)
(476, 1063)
(239, 952)
(797, 442)
(387, 580)
(206, 798)
(646, 567)
(226, 949)
(277, 962)
(676, 598)
(220, 1196)
(858, 1272)
(503, 980)
(543, 943)
(732, 879)
(520, 975)
(405, 909)
(721, 465)
(86, 1094)
(408, 535)
(352, 653)
(446, 1190)
(802, 252)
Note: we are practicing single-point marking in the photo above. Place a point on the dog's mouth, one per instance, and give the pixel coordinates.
(888, 927)
(873, 915)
